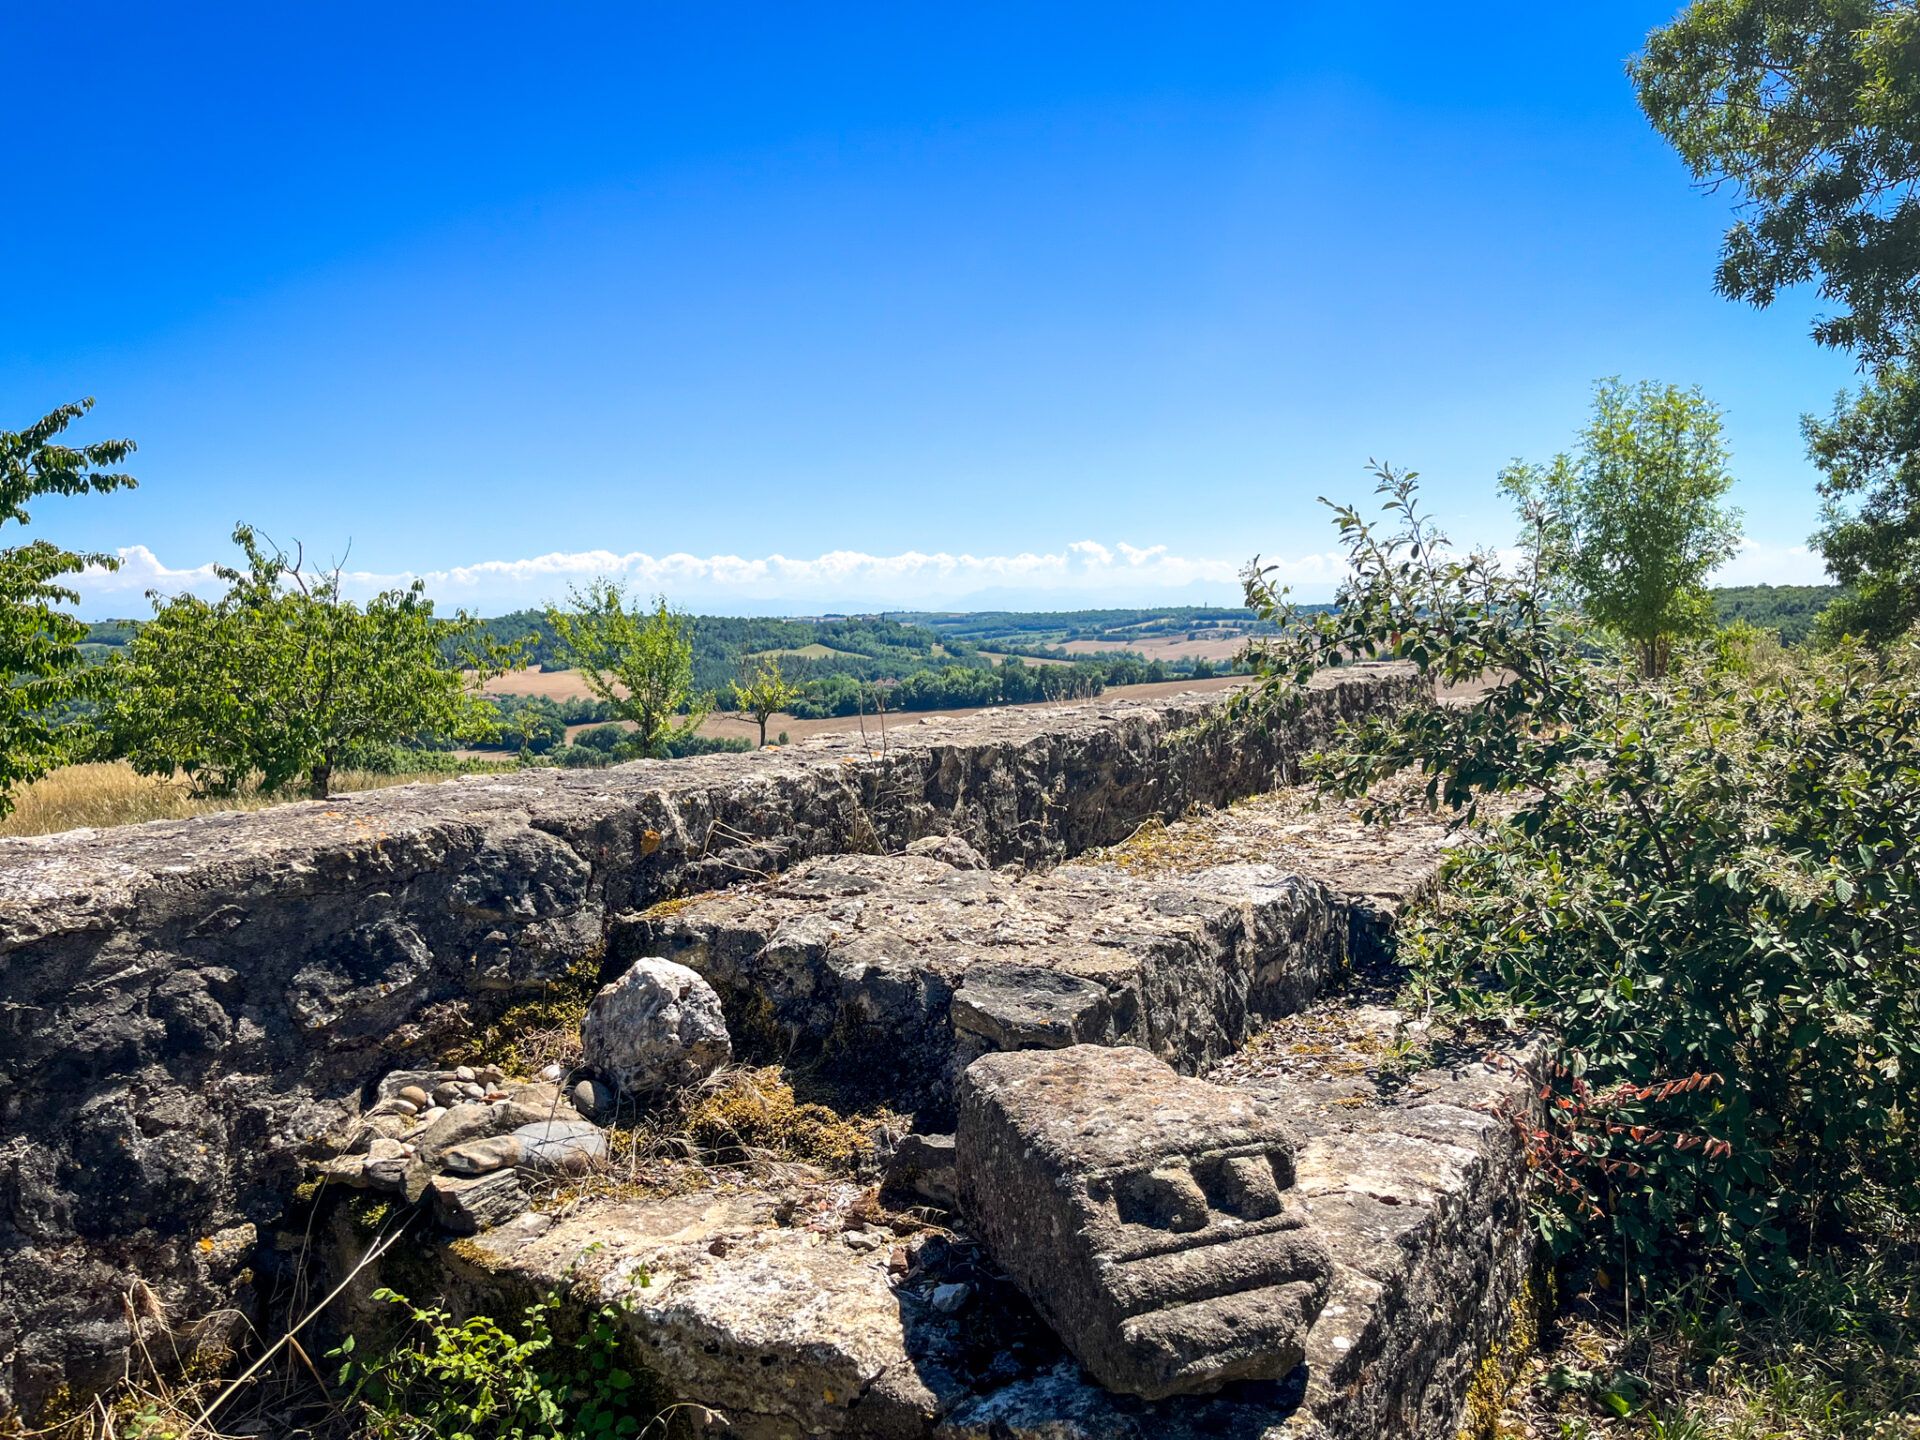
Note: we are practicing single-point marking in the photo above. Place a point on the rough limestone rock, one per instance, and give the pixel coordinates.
(658, 1027)
(190, 1010)
(894, 972)
(949, 850)
(770, 1307)
(1144, 1213)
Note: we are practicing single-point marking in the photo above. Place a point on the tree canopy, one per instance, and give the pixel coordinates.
(638, 660)
(40, 659)
(1635, 520)
(765, 692)
(1808, 109)
(283, 677)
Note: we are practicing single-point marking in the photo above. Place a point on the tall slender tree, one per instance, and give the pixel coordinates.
(1636, 519)
(40, 660)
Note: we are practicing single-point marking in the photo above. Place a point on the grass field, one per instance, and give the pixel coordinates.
(815, 651)
(110, 793)
(1164, 647)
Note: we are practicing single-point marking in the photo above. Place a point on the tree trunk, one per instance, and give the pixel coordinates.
(320, 779)
(763, 731)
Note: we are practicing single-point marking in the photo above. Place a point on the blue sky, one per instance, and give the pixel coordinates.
(503, 295)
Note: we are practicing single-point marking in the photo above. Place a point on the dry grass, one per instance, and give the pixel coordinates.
(110, 793)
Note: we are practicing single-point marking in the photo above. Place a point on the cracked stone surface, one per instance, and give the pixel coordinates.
(191, 1008)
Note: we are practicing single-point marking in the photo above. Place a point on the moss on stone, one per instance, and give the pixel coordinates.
(753, 1113)
(540, 1030)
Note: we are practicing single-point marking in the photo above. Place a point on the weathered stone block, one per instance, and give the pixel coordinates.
(1143, 1214)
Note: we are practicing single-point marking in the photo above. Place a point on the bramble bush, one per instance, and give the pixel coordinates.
(479, 1380)
(1704, 888)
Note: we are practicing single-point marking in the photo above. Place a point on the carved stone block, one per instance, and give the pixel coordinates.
(1144, 1214)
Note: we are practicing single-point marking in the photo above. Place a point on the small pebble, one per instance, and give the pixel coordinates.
(414, 1095)
(432, 1113)
(385, 1149)
(949, 1298)
(897, 1261)
(493, 1095)
(472, 1091)
(464, 1073)
(489, 1074)
(592, 1099)
(404, 1107)
(551, 1072)
(861, 1239)
(448, 1092)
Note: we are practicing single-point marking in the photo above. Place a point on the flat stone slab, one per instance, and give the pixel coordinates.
(782, 1309)
(1144, 1215)
(899, 970)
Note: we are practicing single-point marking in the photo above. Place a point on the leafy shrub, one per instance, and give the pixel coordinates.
(1707, 891)
(479, 1380)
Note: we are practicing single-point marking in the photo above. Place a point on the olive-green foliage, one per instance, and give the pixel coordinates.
(481, 1380)
(1789, 611)
(1809, 112)
(1708, 892)
(765, 693)
(1806, 110)
(1636, 520)
(283, 677)
(1868, 453)
(639, 661)
(40, 659)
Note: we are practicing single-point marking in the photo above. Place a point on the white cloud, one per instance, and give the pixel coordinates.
(1760, 563)
(1082, 572)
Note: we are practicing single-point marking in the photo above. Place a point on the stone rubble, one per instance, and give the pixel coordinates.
(193, 1008)
(786, 1308)
(895, 972)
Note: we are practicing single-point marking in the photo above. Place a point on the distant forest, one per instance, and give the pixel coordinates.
(936, 660)
(1788, 609)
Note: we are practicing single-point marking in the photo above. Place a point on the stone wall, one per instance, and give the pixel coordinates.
(189, 1006)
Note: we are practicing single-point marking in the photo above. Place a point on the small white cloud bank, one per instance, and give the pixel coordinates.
(1083, 573)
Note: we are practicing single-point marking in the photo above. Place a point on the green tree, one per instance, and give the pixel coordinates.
(40, 662)
(1635, 521)
(766, 693)
(1809, 112)
(639, 661)
(1702, 889)
(1868, 453)
(283, 677)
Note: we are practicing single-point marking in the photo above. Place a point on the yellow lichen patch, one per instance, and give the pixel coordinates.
(662, 909)
(1487, 1392)
(1199, 843)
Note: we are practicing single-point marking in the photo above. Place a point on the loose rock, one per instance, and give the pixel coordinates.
(469, 1205)
(569, 1146)
(658, 1026)
(593, 1100)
